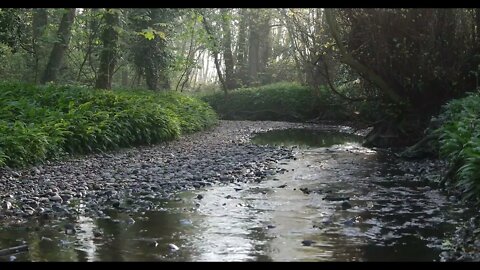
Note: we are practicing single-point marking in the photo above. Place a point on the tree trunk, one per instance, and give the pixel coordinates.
(259, 46)
(215, 54)
(109, 51)
(92, 26)
(348, 59)
(227, 51)
(253, 48)
(264, 46)
(39, 23)
(477, 25)
(125, 77)
(241, 68)
(59, 47)
(151, 74)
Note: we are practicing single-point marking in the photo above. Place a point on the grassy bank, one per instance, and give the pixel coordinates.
(43, 122)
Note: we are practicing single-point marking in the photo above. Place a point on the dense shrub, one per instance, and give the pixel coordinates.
(459, 142)
(43, 122)
(284, 101)
(281, 101)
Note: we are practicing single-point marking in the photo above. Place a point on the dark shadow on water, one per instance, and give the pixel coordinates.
(304, 138)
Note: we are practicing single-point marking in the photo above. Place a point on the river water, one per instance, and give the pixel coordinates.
(336, 201)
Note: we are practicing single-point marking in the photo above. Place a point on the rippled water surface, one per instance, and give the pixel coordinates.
(337, 201)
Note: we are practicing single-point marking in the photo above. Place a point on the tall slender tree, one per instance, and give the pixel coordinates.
(60, 46)
(109, 52)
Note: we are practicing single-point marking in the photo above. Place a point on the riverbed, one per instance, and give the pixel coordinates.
(243, 191)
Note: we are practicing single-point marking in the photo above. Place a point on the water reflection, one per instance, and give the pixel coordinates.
(304, 138)
(391, 215)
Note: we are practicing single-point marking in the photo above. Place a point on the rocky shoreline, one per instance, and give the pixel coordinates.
(133, 179)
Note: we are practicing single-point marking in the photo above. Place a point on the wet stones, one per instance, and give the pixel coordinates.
(116, 203)
(130, 221)
(173, 247)
(97, 233)
(334, 198)
(308, 242)
(346, 205)
(96, 182)
(7, 205)
(56, 198)
(69, 229)
(305, 191)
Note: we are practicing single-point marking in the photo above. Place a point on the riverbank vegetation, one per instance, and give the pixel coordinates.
(44, 122)
(459, 142)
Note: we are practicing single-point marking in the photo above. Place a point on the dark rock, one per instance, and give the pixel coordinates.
(308, 242)
(336, 198)
(346, 205)
(97, 233)
(349, 222)
(115, 203)
(66, 197)
(199, 196)
(305, 190)
(69, 229)
(282, 186)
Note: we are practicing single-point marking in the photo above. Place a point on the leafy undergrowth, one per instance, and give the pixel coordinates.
(44, 122)
(459, 142)
(281, 101)
(289, 102)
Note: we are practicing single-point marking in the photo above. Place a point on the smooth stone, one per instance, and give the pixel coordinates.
(70, 229)
(346, 205)
(115, 203)
(7, 205)
(56, 198)
(173, 247)
(130, 221)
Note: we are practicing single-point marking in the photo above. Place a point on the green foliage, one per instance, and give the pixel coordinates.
(280, 101)
(459, 138)
(39, 123)
(12, 27)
